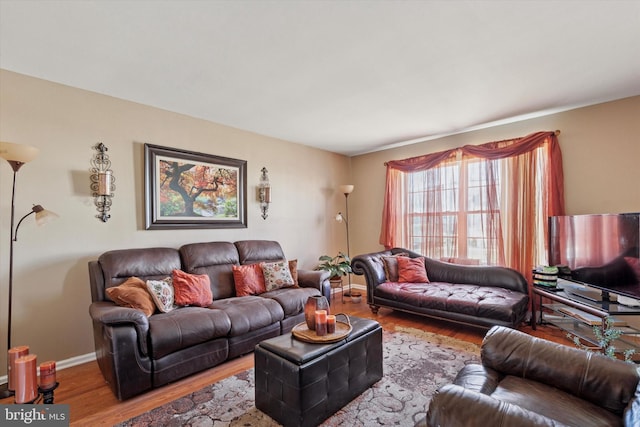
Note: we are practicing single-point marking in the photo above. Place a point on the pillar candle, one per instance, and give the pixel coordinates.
(47, 375)
(104, 183)
(321, 322)
(13, 354)
(26, 379)
(331, 324)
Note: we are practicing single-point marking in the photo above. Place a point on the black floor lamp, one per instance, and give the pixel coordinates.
(346, 190)
(17, 155)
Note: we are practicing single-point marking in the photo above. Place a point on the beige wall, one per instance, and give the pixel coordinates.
(51, 290)
(601, 159)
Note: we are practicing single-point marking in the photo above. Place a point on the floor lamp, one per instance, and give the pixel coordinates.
(17, 155)
(346, 190)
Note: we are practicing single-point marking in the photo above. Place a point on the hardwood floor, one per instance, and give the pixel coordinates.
(93, 404)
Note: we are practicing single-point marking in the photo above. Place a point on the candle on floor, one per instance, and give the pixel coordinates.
(331, 323)
(26, 379)
(47, 375)
(321, 322)
(14, 353)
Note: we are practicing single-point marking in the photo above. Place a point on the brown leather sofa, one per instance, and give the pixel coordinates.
(136, 353)
(477, 295)
(528, 381)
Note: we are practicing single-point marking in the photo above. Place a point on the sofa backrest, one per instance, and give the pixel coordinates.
(254, 251)
(214, 259)
(118, 265)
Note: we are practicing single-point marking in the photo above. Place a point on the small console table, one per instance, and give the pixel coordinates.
(578, 316)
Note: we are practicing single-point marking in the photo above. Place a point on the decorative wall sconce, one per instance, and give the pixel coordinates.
(102, 181)
(264, 192)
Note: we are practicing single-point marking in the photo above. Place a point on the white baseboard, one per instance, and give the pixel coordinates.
(66, 363)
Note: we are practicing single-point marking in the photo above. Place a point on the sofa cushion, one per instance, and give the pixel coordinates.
(214, 259)
(249, 313)
(256, 251)
(292, 300)
(248, 279)
(162, 293)
(185, 327)
(553, 403)
(133, 293)
(276, 275)
(412, 270)
(478, 301)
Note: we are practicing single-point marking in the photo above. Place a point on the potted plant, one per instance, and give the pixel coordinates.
(339, 266)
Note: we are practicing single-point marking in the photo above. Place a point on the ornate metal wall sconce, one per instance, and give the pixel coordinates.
(264, 192)
(102, 181)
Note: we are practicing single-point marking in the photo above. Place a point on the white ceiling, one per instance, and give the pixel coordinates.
(345, 76)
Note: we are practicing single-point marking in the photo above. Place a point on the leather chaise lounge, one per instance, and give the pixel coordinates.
(136, 352)
(482, 296)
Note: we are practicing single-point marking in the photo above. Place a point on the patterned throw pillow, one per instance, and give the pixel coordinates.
(162, 293)
(191, 289)
(276, 275)
(412, 270)
(391, 266)
(133, 293)
(248, 279)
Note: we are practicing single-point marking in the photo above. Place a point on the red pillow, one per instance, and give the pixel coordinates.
(412, 270)
(191, 289)
(248, 280)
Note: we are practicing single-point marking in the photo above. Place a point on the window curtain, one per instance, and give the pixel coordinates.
(532, 183)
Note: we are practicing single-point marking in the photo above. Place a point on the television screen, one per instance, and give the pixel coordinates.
(600, 250)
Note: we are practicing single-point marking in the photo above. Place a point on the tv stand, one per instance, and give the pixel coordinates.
(578, 316)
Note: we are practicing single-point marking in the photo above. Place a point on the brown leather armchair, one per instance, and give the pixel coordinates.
(528, 381)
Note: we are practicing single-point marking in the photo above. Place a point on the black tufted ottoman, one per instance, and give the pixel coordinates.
(302, 384)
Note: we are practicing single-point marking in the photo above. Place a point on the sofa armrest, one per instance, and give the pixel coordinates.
(110, 314)
(605, 382)
(453, 405)
(318, 279)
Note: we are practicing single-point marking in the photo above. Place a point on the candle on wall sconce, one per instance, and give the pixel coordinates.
(26, 379)
(102, 181)
(264, 192)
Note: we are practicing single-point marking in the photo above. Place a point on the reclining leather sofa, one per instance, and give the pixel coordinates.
(137, 353)
(478, 295)
(526, 381)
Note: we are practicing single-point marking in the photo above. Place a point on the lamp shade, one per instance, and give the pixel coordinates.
(44, 216)
(17, 152)
(346, 188)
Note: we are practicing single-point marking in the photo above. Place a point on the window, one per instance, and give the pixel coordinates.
(484, 204)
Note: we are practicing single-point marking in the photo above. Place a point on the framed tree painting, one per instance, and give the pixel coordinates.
(186, 189)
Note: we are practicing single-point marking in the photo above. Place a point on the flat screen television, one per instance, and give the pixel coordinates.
(601, 251)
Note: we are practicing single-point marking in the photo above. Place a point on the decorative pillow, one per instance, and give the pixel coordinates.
(191, 289)
(412, 270)
(293, 269)
(162, 293)
(248, 279)
(391, 266)
(634, 263)
(276, 275)
(133, 293)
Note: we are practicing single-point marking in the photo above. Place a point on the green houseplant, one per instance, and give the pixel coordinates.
(339, 266)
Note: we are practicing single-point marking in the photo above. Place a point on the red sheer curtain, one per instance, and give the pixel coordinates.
(531, 188)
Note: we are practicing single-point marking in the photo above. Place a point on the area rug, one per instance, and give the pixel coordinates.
(416, 363)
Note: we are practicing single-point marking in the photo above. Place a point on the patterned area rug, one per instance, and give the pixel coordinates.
(416, 364)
